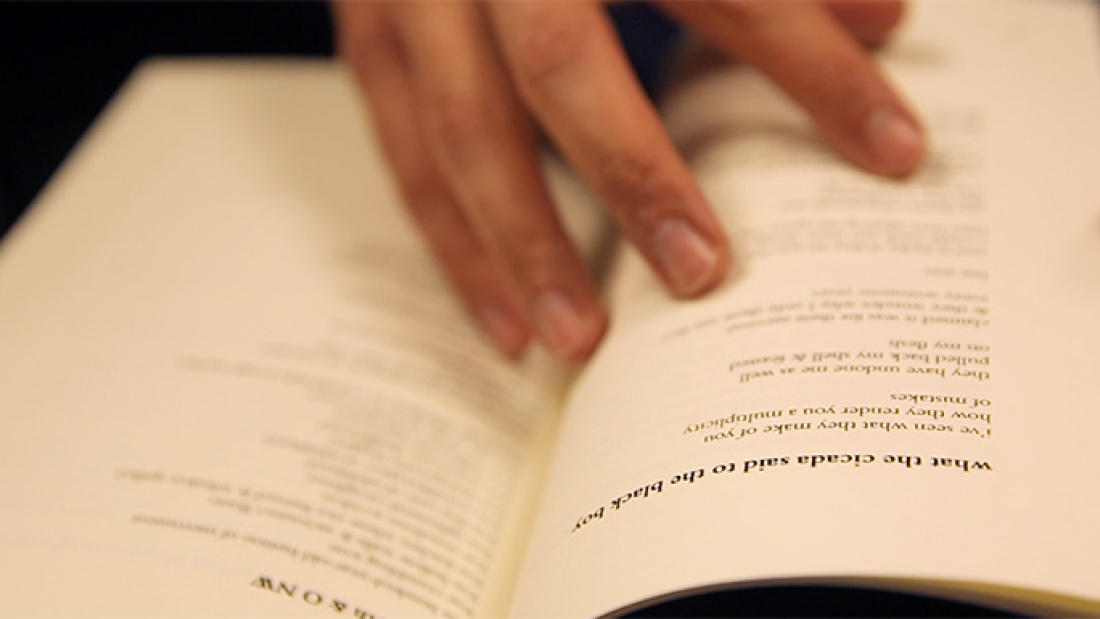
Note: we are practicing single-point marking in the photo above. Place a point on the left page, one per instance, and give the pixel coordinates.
(233, 383)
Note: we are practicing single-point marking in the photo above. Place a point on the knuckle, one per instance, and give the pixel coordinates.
(460, 121)
(628, 172)
(546, 52)
(454, 245)
(442, 224)
(630, 178)
(538, 260)
(640, 192)
(856, 90)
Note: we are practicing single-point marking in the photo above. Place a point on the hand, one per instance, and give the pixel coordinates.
(457, 90)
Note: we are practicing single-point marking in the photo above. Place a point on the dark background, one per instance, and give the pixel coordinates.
(60, 62)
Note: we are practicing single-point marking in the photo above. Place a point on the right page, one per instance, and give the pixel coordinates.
(898, 386)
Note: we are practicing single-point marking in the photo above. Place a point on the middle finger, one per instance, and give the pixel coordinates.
(484, 143)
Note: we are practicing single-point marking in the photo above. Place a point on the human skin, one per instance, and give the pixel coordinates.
(459, 90)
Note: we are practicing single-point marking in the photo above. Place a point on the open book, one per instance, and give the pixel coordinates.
(233, 383)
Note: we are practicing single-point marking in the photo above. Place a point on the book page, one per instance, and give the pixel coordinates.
(234, 383)
(898, 386)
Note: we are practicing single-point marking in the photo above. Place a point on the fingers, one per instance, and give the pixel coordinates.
(367, 43)
(451, 85)
(805, 50)
(483, 143)
(871, 22)
(570, 70)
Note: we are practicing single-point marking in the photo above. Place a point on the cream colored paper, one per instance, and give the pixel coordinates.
(234, 383)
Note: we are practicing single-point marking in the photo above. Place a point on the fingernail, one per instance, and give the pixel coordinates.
(684, 256)
(504, 327)
(895, 141)
(561, 327)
